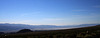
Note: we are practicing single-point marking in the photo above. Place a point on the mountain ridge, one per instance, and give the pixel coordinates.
(16, 27)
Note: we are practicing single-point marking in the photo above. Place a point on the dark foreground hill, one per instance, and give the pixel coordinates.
(85, 32)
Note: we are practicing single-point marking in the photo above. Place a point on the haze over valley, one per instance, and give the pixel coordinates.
(6, 27)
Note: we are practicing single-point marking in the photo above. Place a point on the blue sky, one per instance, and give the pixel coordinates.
(50, 12)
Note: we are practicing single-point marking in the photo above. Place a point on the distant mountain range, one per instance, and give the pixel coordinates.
(6, 27)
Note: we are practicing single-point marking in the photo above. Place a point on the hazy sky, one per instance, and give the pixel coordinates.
(50, 12)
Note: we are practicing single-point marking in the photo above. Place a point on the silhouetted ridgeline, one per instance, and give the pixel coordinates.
(1, 33)
(86, 32)
(24, 31)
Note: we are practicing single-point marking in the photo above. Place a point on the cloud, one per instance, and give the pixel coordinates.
(29, 14)
(91, 15)
(24, 14)
(19, 22)
(97, 6)
(78, 10)
(53, 19)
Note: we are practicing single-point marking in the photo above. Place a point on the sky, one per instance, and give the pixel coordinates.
(50, 12)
